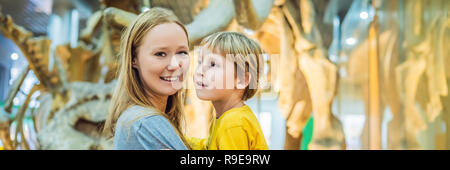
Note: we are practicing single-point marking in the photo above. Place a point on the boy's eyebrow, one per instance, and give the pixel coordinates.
(216, 58)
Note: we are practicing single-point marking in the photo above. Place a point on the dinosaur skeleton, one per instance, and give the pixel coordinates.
(70, 113)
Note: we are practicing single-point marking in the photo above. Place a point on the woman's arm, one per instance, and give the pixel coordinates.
(156, 132)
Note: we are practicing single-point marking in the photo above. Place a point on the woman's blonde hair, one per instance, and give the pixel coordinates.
(244, 52)
(129, 89)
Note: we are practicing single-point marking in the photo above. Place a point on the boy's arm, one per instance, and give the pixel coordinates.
(234, 138)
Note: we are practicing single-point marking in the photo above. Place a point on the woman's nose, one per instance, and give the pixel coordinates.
(175, 63)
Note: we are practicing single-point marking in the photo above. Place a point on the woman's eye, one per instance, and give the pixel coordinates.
(183, 52)
(160, 54)
(213, 64)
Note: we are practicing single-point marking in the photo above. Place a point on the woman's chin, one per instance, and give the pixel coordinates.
(166, 91)
(172, 92)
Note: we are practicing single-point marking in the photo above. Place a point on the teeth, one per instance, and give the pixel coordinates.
(170, 78)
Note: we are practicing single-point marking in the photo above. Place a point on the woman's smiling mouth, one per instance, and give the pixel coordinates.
(170, 78)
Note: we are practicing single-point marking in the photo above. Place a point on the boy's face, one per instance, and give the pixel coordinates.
(214, 76)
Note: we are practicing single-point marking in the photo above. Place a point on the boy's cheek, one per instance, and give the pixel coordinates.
(229, 81)
(219, 82)
(222, 82)
(209, 78)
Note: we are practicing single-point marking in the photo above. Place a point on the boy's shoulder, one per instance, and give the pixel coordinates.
(238, 117)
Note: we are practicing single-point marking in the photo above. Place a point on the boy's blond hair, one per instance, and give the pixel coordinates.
(245, 53)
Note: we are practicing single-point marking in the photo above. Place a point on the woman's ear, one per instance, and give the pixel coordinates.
(134, 63)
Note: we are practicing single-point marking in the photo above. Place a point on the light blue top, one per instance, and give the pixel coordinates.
(141, 128)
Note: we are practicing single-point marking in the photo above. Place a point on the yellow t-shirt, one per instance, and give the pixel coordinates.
(237, 129)
(197, 143)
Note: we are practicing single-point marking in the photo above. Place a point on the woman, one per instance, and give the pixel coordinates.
(146, 107)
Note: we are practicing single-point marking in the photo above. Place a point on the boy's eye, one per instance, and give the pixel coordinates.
(213, 64)
(160, 54)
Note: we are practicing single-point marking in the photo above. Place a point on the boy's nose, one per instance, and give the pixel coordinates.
(199, 71)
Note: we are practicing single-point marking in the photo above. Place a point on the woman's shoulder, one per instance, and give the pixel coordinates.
(139, 128)
(139, 117)
(135, 114)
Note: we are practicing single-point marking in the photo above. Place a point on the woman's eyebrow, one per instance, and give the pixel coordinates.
(159, 48)
(182, 47)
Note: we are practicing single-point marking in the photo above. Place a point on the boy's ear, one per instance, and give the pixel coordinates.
(242, 84)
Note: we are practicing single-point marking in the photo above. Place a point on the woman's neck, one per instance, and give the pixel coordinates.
(221, 106)
(159, 102)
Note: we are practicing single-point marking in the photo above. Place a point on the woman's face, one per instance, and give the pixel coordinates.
(162, 59)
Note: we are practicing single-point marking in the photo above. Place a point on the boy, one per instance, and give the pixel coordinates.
(227, 74)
